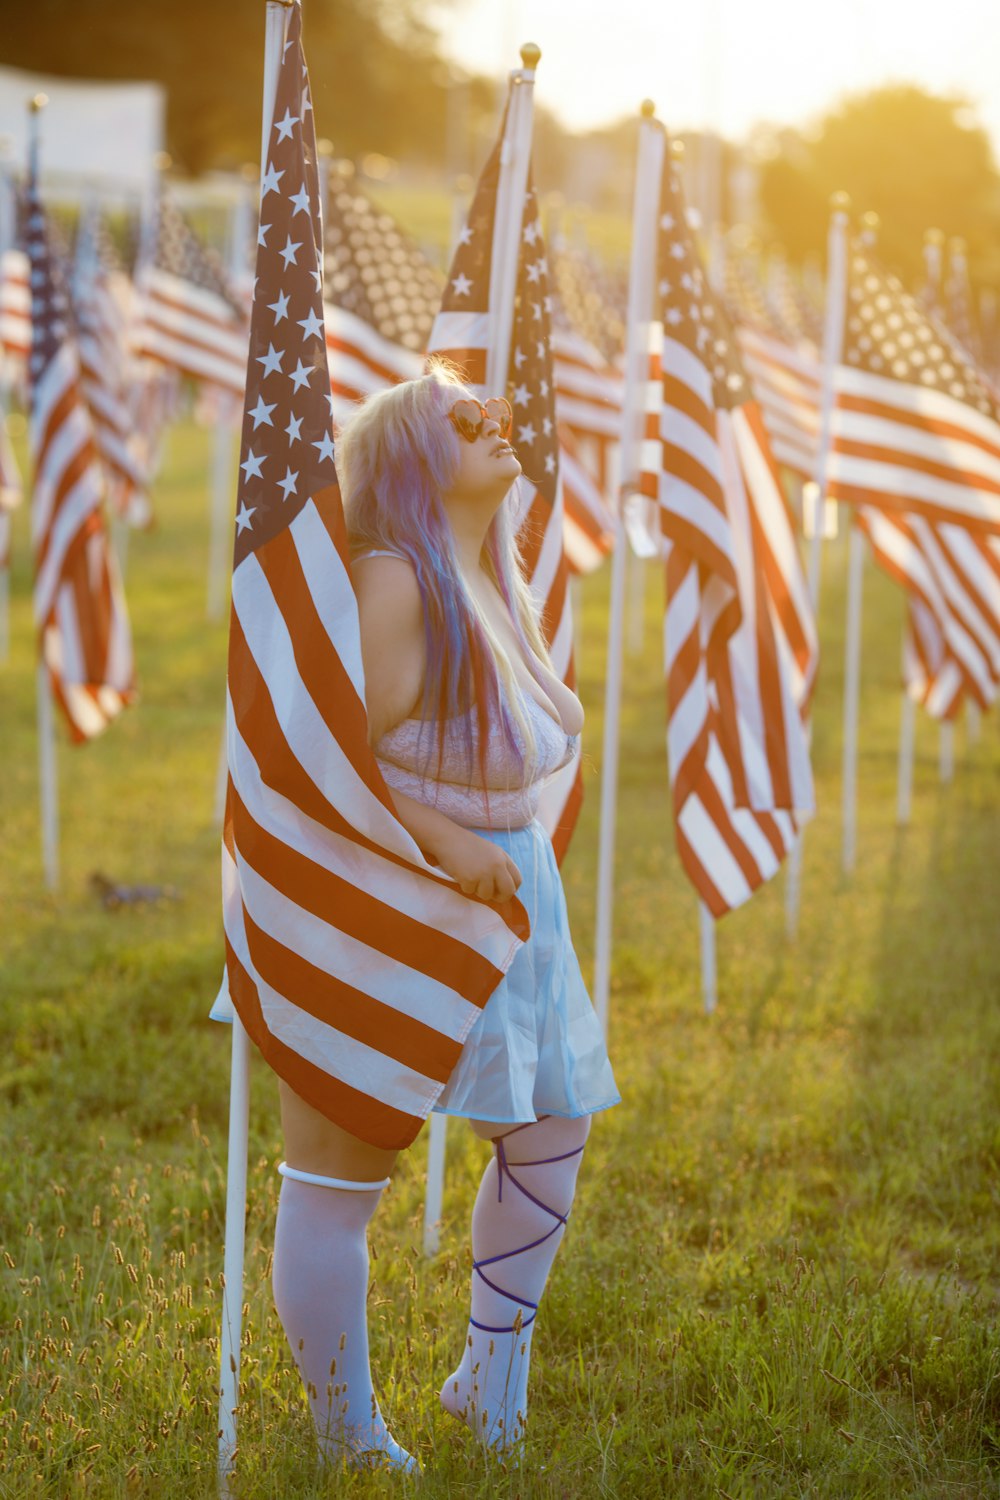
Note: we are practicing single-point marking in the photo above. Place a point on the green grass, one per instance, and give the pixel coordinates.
(781, 1275)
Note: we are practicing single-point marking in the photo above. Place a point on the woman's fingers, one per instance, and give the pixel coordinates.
(505, 886)
(515, 873)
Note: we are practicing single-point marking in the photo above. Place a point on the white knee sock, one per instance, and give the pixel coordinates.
(489, 1390)
(320, 1283)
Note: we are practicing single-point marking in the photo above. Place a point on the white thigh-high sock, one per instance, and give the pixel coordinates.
(320, 1284)
(518, 1222)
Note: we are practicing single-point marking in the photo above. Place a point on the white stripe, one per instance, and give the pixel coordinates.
(350, 960)
(78, 504)
(460, 330)
(915, 400)
(713, 853)
(436, 902)
(343, 1057)
(916, 442)
(317, 750)
(334, 597)
(684, 365)
(908, 485)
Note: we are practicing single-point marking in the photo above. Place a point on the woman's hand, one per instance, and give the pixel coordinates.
(480, 867)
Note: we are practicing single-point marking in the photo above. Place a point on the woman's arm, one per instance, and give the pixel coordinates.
(480, 867)
(391, 617)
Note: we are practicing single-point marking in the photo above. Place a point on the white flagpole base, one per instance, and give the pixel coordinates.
(4, 614)
(222, 778)
(946, 751)
(973, 721)
(907, 735)
(636, 602)
(119, 541)
(232, 1295)
(219, 548)
(434, 1197)
(48, 784)
(852, 684)
(576, 603)
(793, 887)
(709, 976)
(609, 783)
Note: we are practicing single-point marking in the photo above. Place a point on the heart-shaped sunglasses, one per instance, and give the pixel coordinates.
(468, 416)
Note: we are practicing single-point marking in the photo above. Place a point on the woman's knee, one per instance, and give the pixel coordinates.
(315, 1144)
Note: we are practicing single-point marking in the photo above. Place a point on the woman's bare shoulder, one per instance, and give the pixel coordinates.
(387, 584)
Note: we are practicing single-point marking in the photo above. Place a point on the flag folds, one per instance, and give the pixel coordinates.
(740, 641)
(463, 331)
(356, 967)
(916, 449)
(80, 613)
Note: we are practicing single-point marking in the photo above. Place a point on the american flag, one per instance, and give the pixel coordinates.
(916, 428)
(587, 332)
(101, 329)
(917, 451)
(190, 318)
(11, 493)
(461, 331)
(356, 967)
(588, 523)
(781, 360)
(740, 639)
(382, 294)
(84, 633)
(15, 312)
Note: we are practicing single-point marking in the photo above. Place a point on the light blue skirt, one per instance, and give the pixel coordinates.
(537, 1047)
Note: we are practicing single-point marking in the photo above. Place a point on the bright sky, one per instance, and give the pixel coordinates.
(731, 63)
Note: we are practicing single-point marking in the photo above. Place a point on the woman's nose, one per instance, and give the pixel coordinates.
(491, 427)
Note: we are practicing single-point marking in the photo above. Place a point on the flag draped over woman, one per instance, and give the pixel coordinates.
(356, 967)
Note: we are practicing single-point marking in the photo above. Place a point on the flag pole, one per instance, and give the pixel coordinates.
(239, 1079)
(48, 783)
(833, 339)
(904, 776)
(852, 662)
(223, 454)
(933, 260)
(852, 687)
(649, 166)
(6, 240)
(515, 160)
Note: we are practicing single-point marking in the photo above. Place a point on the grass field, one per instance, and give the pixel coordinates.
(782, 1275)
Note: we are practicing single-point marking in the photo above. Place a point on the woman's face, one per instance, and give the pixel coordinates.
(487, 466)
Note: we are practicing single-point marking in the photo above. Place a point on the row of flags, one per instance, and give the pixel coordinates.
(916, 423)
(315, 861)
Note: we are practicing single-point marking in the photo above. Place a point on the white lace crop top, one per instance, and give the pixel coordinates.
(506, 796)
(408, 759)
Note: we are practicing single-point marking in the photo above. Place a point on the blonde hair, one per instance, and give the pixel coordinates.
(396, 454)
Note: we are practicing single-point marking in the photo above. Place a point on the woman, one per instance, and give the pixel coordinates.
(468, 720)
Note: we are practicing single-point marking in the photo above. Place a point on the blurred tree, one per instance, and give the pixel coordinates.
(917, 159)
(374, 65)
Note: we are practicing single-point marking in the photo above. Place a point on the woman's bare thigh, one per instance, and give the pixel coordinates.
(314, 1144)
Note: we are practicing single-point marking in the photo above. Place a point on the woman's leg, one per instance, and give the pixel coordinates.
(518, 1223)
(331, 1187)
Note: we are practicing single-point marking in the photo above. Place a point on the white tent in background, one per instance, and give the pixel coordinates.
(93, 132)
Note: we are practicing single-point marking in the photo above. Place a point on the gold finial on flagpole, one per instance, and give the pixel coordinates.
(840, 202)
(647, 109)
(934, 237)
(38, 102)
(531, 56)
(870, 220)
(677, 150)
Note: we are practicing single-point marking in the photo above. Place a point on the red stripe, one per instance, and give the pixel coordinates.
(367, 1118)
(345, 906)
